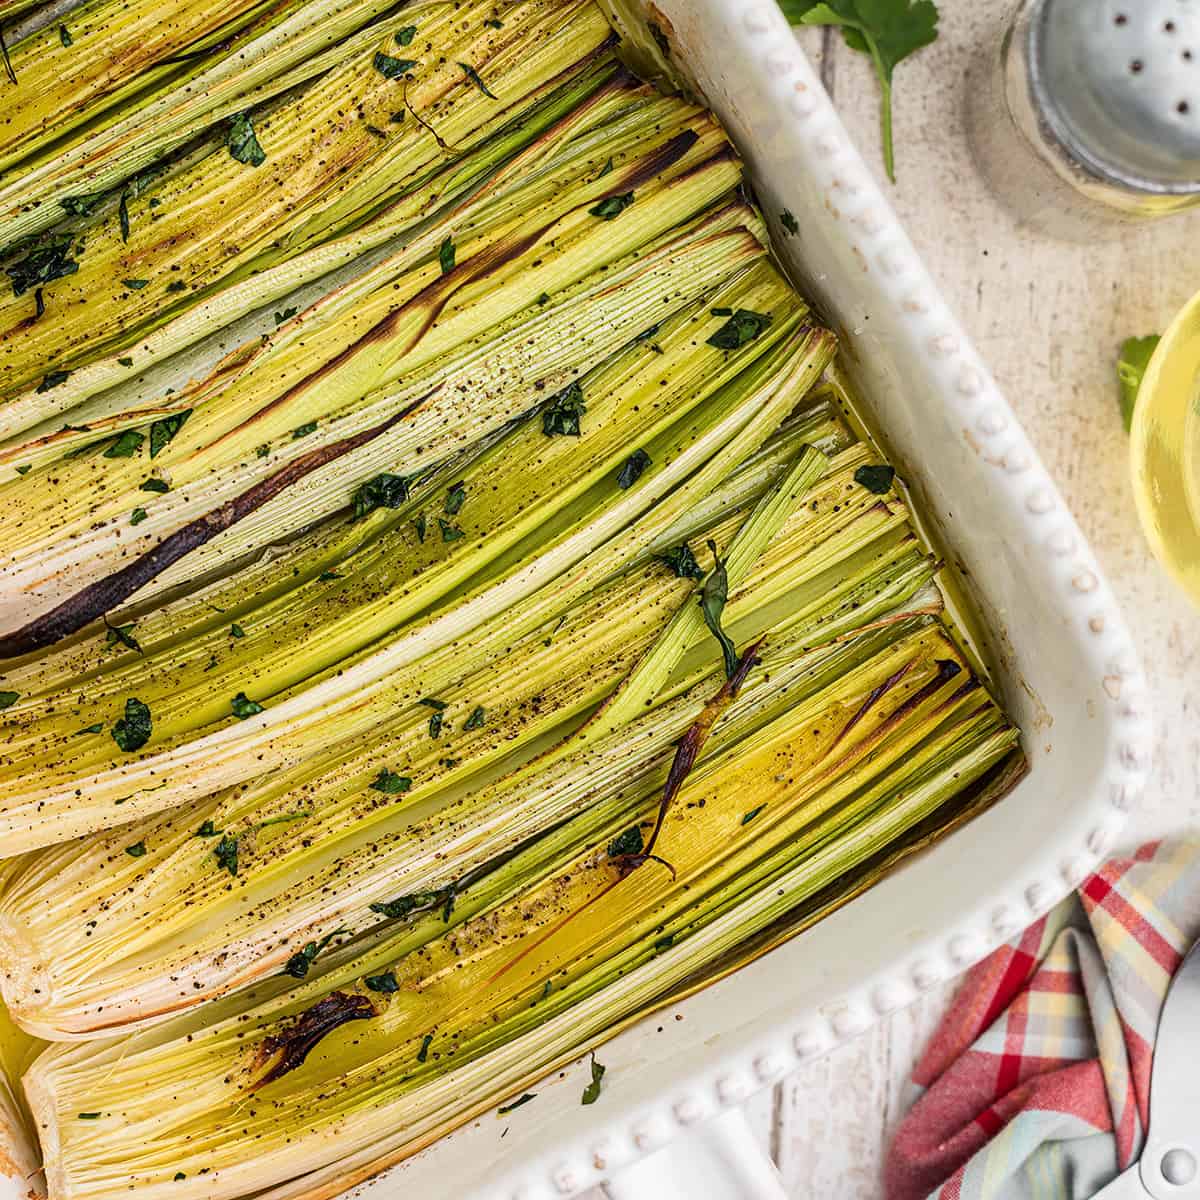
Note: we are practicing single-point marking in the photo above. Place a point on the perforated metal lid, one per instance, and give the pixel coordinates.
(1118, 82)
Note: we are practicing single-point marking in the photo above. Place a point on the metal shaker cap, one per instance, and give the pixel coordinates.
(1118, 84)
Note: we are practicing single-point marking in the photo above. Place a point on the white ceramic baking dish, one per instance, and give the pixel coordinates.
(1069, 675)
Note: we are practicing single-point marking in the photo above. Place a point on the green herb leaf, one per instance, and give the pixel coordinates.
(244, 707)
(154, 485)
(390, 784)
(404, 906)
(493, 23)
(628, 843)
(304, 430)
(163, 430)
(456, 497)
(476, 719)
(393, 68)
(134, 285)
(243, 141)
(64, 36)
(126, 445)
(748, 817)
(133, 730)
(473, 76)
(384, 491)
(286, 315)
(544, 298)
(41, 265)
(876, 477)
(87, 728)
(123, 216)
(235, 630)
(207, 829)
(24, 468)
(611, 206)
(742, 327)
(562, 415)
(789, 222)
(325, 576)
(138, 515)
(39, 303)
(888, 31)
(126, 362)
(8, 699)
(507, 1108)
(385, 983)
(52, 379)
(1131, 366)
(632, 469)
(591, 1093)
(683, 562)
(136, 850)
(421, 527)
(405, 36)
(713, 595)
(450, 533)
(226, 853)
(176, 285)
(423, 1053)
(83, 206)
(604, 170)
(122, 635)
(297, 966)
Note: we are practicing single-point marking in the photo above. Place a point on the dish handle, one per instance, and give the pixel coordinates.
(720, 1160)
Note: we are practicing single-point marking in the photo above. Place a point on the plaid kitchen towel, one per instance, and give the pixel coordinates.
(1036, 1085)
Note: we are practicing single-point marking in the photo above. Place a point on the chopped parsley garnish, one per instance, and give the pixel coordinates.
(42, 265)
(136, 850)
(420, 525)
(64, 36)
(628, 843)
(126, 362)
(176, 285)
(423, 1053)
(390, 783)
(877, 477)
(632, 469)
(298, 964)
(384, 982)
(789, 222)
(207, 829)
(476, 719)
(611, 206)
(304, 430)
(51, 380)
(450, 533)
(134, 285)
(7, 699)
(39, 303)
(325, 576)
(226, 853)
(23, 469)
(437, 716)
(405, 36)
(154, 485)
(604, 170)
(543, 298)
(473, 76)
(456, 497)
(743, 326)
(591, 1093)
(752, 814)
(244, 707)
(446, 253)
(83, 206)
(713, 595)
(133, 730)
(236, 631)
(384, 491)
(123, 216)
(138, 515)
(493, 23)
(243, 143)
(126, 445)
(122, 635)
(87, 728)
(404, 906)
(286, 315)
(563, 414)
(163, 430)
(682, 561)
(507, 1108)
(393, 68)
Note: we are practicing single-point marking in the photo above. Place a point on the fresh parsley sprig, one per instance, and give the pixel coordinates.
(888, 31)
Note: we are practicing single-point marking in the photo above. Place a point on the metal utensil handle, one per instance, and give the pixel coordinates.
(721, 1160)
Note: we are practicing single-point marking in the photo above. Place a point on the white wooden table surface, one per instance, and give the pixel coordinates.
(1048, 317)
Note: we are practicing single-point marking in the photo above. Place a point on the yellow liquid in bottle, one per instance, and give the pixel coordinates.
(1165, 445)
